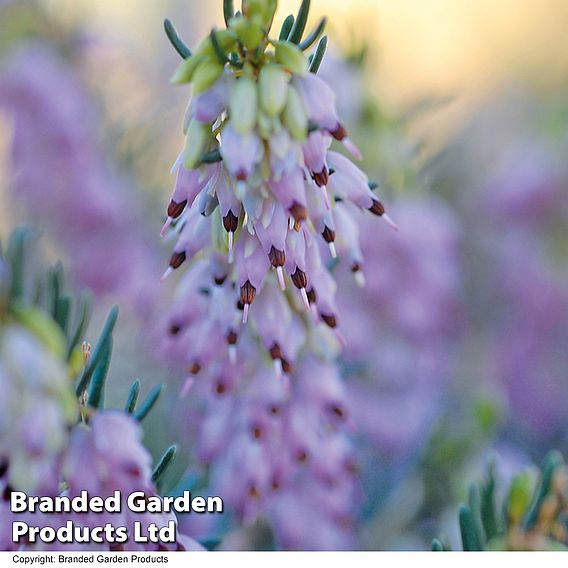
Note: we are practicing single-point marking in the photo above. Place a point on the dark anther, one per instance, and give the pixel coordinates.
(300, 279)
(328, 235)
(220, 388)
(248, 292)
(253, 491)
(276, 257)
(312, 296)
(299, 212)
(377, 208)
(321, 178)
(195, 368)
(230, 222)
(174, 329)
(220, 280)
(232, 337)
(337, 410)
(257, 432)
(286, 366)
(331, 321)
(340, 132)
(302, 456)
(356, 267)
(177, 259)
(176, 209)
(275, 351)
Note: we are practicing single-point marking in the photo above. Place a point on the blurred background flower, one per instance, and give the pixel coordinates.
(456, 346)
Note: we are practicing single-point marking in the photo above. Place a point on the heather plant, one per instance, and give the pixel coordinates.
(530, 514)
(261, 209)
(56, 436)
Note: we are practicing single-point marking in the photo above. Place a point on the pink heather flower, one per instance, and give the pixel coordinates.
(255, 323)
(36, 409)
(58, 171)
(411, 303)
(515, 181)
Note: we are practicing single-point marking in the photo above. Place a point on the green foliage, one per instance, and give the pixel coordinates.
(530, 517)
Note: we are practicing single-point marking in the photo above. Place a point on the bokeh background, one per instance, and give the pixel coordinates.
(458, 345)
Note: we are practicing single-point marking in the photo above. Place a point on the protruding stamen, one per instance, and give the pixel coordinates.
(359, 278)
(166, 226)
(291, 223)
(281, 281)
(387, 218)
(168, 271)
(340, 337)
(277, 364)
(326, 198)
(304, 295)
(188, 383)
(246, 313)
(332, 250)
(352, 148)
(232, 354)
(231, 239)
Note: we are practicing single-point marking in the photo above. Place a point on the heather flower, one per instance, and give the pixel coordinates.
(515, 182)
(278, 449)
(59, 172)
(257, 181)
(36, 408)
(411, 302)
(96, 463)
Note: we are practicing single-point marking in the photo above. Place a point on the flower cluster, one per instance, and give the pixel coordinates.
(59, 172)
(518, 301)
(259, 193)
(411, 301)
(53, 437)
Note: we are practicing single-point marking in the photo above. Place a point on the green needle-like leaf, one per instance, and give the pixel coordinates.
(179, 45)
(149, 403)
(437, 546)
(552, 461)
(221, 55)
(300, 24)
(97, 389)
(317, 58)
(228, 11)
(82, 323)
(470, 538)
(309, 41)
(132, 397)
(62, 311)
(475, 508)
(210, 543)
(98, 351)
(15, 255)
(488, 505)
(286, 28)
(163, 464)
